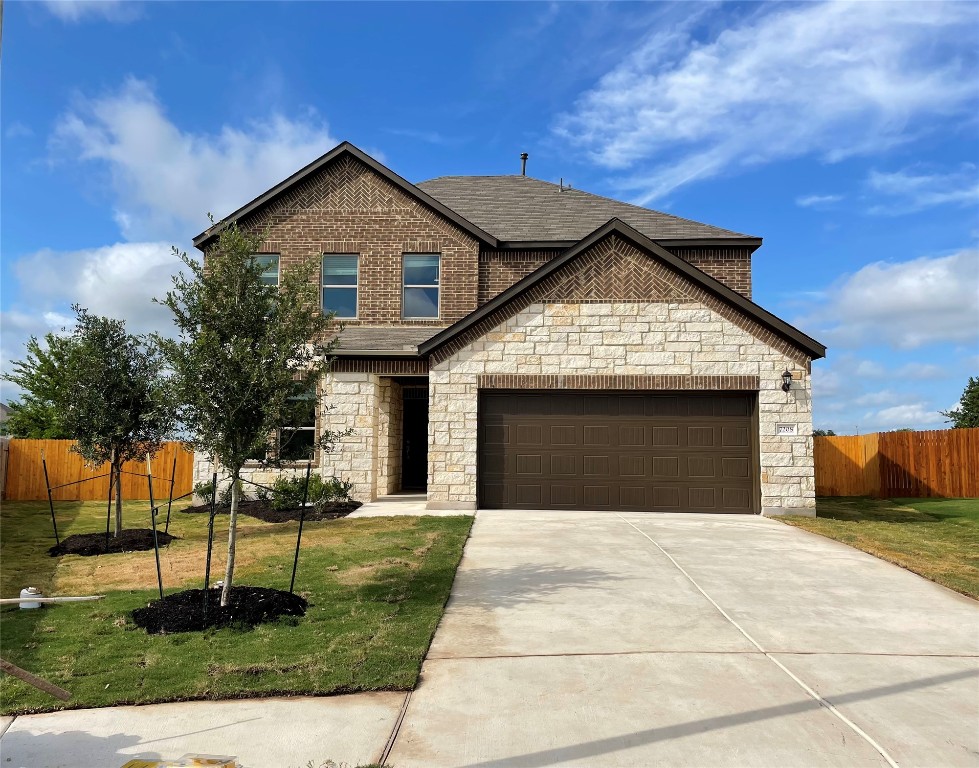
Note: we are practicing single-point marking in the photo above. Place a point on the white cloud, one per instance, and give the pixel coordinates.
(116, 280)
(920, 371)
(827, 79)
(817, 201)
(165, 179)
(908, 415)
(909, 191)
(18, 130)
(73, 11)
(905, 305)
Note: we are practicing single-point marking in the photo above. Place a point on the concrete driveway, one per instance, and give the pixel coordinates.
(690, 640)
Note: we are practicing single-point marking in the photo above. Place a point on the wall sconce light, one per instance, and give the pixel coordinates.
(786, 380)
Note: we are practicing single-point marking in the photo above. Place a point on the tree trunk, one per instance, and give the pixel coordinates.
(232, 538)
(117, 473)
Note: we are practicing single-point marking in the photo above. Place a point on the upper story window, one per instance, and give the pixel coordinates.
(270, 264)
(421, 286)
(340, 278)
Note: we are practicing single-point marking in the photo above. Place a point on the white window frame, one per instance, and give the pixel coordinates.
(437, 286)
(355, 286)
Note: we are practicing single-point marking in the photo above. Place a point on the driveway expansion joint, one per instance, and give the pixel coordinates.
(798, 681)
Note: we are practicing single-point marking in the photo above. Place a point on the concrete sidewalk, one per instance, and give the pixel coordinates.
(262, 733)
(690, 640)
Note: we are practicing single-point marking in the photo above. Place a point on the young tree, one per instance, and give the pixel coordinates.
(116, 406)
(966, 414)
(246, 358)
(41, 375)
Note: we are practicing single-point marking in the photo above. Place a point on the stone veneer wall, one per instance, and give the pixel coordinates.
(352, 400)
(390, 414)
(647, 338)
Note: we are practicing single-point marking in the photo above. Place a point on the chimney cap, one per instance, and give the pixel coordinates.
(523, 163)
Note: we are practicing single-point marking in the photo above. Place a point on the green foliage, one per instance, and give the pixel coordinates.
(287, 492)
(42, 375)
(966, 414)
(116, 405)
(823, 433)
(241, 344)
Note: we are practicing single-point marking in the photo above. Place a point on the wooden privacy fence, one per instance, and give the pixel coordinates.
(25, 475)
(942, 463)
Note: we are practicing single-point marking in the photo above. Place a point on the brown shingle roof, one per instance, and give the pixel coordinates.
(389, 339)
(520, 208)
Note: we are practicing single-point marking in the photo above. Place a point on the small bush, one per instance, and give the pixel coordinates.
(287, 492)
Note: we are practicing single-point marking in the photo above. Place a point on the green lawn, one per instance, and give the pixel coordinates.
(936, 538)
(376, 587)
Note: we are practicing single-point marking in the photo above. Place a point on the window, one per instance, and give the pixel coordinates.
(297, 443)
(421, 285)
(270, 261)
(340, 284)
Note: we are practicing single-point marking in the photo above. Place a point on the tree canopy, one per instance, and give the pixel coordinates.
(41, 377)
(248, 358)
(966, 413)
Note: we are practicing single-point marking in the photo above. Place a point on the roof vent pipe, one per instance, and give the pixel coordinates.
(523, 163)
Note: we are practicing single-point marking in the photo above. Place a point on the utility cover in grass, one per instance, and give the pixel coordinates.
(246, 608)
(128, 540)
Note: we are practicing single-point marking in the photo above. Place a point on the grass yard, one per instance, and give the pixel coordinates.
(936, 538)
(376, 587)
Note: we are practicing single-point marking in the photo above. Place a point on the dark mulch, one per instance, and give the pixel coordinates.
(247, 607)
(263, 511)
(129, 540)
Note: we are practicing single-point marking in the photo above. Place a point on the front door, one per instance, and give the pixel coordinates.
(414, 449)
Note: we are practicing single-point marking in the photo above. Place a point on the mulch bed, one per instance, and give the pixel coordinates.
(263, 511)
(247, 607)
(129, 540)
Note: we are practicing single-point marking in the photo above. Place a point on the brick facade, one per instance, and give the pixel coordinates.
(348, 208)
(728, 265)
(499, 269)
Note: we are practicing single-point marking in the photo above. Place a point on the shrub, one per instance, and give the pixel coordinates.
(287, 492)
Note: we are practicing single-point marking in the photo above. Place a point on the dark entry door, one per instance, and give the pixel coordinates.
(681, 452)
(414, 446)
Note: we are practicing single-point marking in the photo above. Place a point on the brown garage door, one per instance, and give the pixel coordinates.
(617, 451)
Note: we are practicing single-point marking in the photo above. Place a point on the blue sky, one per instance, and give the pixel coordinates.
(845, 135)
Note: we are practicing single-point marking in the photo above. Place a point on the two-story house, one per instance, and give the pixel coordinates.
(512, 343)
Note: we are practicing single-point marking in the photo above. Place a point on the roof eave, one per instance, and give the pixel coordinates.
(802, 340)
(205, 237)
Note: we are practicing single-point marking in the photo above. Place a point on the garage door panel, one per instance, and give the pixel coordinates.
(668, 452)
(666, 497)
(702, 498)
(701, 467)
(735, 468)
(735, 437)
(596, 496)
(596, 435)
(632, 466)
(630, 435)
(564, 464)
(665, 436)
(596, 465)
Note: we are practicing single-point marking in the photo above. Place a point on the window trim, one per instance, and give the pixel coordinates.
(355, 286)
(278, 265)
(437, 286)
